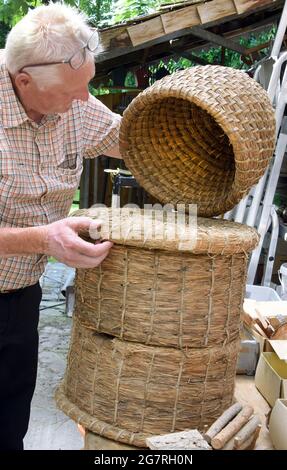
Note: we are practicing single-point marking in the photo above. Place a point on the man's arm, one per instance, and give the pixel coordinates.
(114, 152)
(59, 239)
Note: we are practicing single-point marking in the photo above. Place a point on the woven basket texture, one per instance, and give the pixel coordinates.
(203, 135)
(128, 391)
(155, 229)
(162, 297)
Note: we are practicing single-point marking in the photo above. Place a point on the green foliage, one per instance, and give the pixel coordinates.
(233, 59)
(128, 9)
(4, 30)
(130, 80)
(98, 11)
(11, 11)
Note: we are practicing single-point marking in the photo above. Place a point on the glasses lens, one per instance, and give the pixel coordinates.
(93, 42)
(78, 59)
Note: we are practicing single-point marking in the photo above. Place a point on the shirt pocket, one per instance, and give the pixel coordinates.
(71, 164)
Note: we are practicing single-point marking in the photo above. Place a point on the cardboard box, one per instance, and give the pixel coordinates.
(274, 311)
(263, 342)
(271, 372)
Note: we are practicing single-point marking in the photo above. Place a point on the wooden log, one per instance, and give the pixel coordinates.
(229, 445)
(224, 419)
(249, 443)
(228, 432)
(247, 431)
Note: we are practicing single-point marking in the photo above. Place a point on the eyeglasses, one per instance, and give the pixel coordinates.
(77, 59)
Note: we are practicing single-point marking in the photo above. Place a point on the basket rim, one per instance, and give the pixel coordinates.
(211, 236)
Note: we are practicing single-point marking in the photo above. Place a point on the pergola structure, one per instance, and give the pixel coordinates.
(178, 29)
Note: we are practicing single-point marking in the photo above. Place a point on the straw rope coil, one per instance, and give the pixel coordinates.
(203, 135)
(127, 391)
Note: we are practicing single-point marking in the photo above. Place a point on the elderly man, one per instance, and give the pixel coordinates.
(48, 123)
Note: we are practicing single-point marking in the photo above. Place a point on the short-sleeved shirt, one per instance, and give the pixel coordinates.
(40, 168)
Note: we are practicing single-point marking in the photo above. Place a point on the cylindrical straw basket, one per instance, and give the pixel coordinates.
(129, 391)
(178, 295)
(203, 135)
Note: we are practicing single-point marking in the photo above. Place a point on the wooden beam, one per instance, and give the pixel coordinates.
(179, 19)
(111, 54)
(244, 5)
(114, 37)
(121, 37)
(216, 39)
(193, 58)
(146, 31)
(216, 9)
(161, 47)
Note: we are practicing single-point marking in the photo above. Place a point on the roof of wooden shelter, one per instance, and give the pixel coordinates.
(178, 28)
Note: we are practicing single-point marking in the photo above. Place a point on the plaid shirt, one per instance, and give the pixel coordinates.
(40, 168)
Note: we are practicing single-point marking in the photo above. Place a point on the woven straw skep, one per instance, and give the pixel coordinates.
(157, 298)
(155, 229)
(128, 391)
(166, 297)
(204, 135)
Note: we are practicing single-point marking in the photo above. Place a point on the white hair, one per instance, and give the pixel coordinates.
(49, 33)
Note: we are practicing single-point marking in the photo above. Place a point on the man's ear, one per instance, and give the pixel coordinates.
(23, 81)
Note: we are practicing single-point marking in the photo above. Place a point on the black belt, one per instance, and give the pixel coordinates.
(12, 291)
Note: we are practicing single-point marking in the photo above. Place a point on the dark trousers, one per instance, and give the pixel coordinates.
(19, 316)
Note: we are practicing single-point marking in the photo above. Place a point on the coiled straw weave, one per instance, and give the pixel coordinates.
(203, 135)
(165, 296)
(129, 391)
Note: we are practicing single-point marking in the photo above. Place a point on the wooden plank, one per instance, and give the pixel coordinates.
(215, 10)
(180, 19)
(244, 5)
(178, 4)
(117, 56)
(183, 440)
(114, 37)
(146, 31)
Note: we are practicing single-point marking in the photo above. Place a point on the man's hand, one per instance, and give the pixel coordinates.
(61, 240)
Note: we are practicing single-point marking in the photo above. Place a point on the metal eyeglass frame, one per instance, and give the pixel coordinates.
(69, 61)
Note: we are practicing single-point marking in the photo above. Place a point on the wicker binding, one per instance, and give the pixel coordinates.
(128, 391)
(166, 297)
(202, 135)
